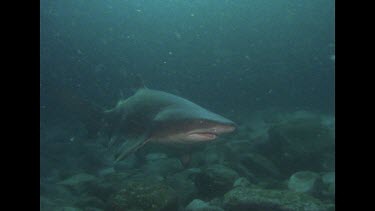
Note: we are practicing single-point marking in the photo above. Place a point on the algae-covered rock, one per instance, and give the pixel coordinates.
(245, 198)
(215, 180)
(305, 182)
(144, 196)
(183, 183)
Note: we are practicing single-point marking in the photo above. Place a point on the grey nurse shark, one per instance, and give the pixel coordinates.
(159, 117)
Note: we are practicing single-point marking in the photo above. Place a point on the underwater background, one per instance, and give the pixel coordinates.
(267, 65)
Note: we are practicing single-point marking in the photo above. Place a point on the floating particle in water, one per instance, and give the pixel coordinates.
(178, 35)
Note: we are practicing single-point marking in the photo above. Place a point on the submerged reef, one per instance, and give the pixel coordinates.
(283, 161)
(141, 195)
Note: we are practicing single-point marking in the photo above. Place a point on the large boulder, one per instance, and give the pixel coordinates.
(215, 180)
(298, 142)
(183, 183)
(162, 167)
(145, 196)
(246, 198)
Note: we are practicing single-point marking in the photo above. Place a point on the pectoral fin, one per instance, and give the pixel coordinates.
(128, 147)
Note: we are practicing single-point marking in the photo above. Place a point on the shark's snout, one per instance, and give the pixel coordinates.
(220, 129)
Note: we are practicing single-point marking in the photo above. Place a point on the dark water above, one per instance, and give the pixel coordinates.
(235, 54)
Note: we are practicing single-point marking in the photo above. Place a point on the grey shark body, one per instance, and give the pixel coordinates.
(156, 116)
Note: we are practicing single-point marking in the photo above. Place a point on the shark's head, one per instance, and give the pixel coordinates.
(191, 131)
(186, 122)
(190, 126)
(205, 130)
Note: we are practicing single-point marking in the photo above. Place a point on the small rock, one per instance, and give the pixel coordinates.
(199, 205)
(106, 171)
(329, 181)
(155, 156)
(242, 181)
(328, 178)
(304, 182)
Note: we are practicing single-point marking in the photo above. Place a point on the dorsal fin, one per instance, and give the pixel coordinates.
(139, 82)
(134, 83)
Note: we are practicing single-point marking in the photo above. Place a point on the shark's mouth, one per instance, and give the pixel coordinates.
(210, 133)
(203, 136)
